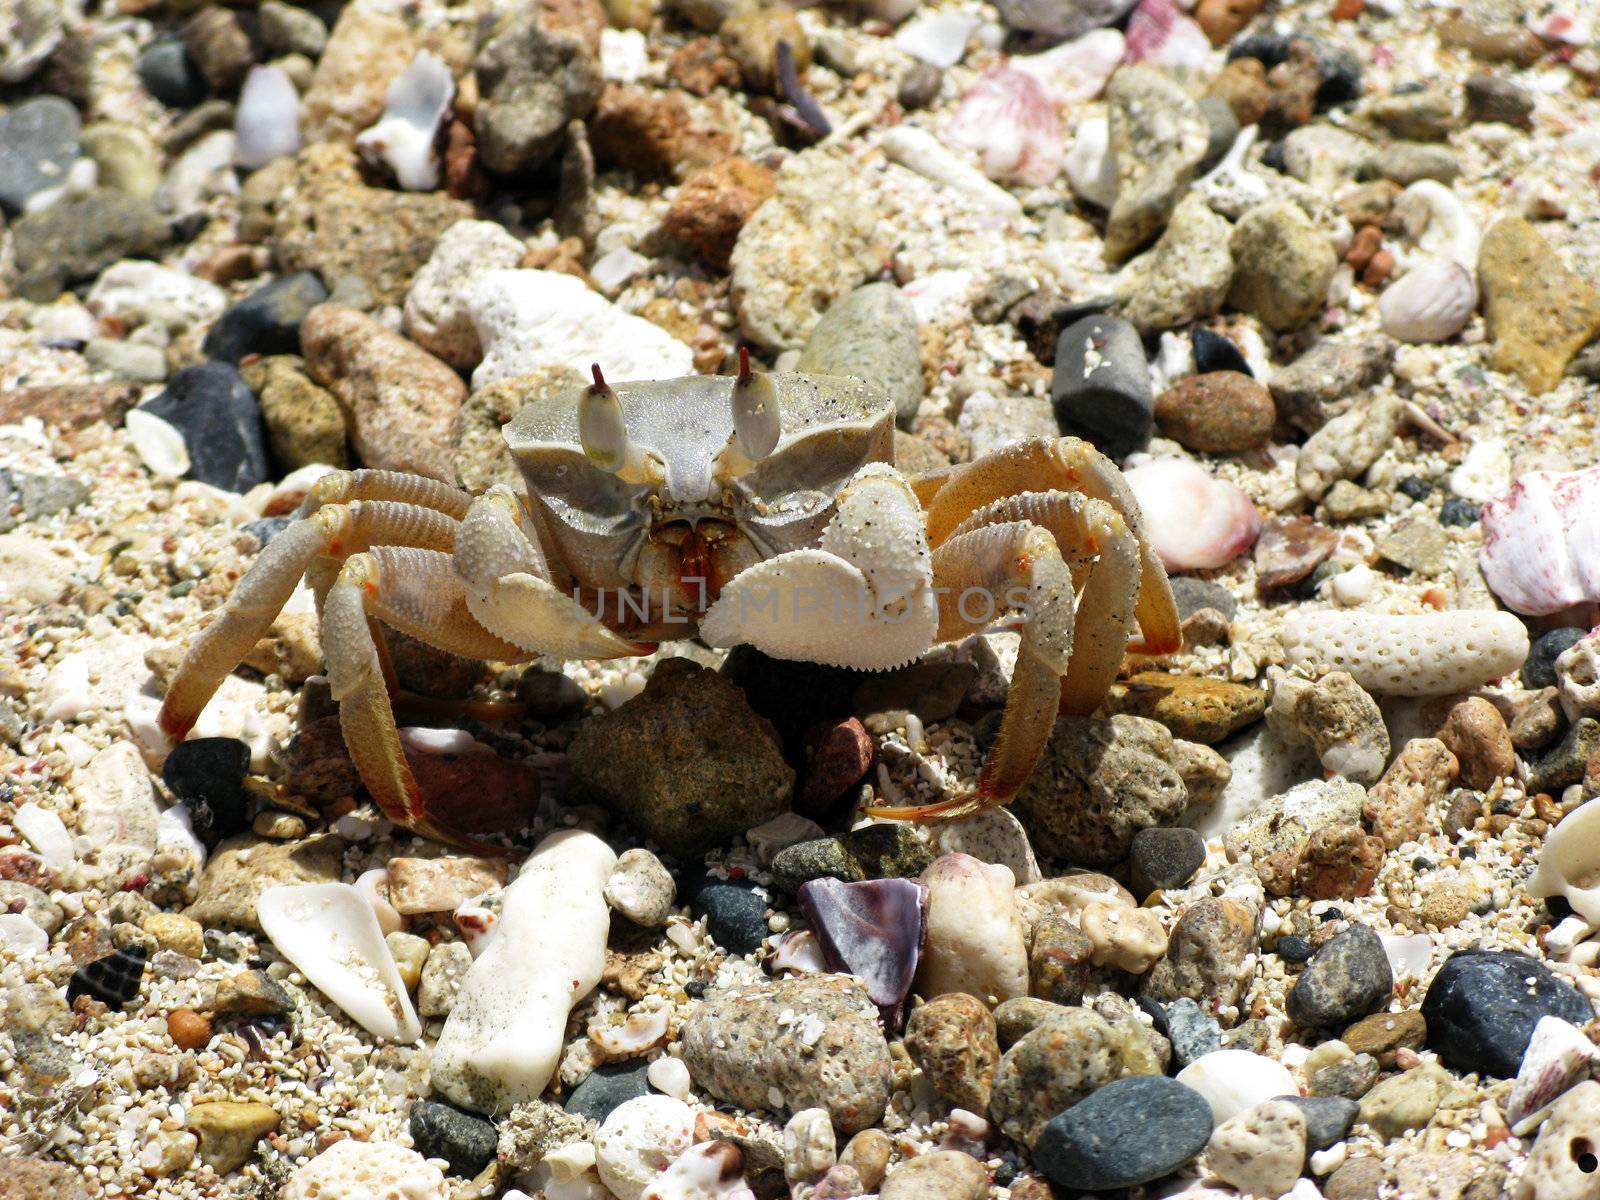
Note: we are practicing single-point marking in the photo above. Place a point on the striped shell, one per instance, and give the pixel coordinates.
(1541, 542)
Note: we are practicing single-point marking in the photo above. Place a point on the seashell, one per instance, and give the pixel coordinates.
(918, 150)
(42, 829)
(158, 444)
(709, 1171)
(330, 933)
(1432, 302)
(1076, 71)
(1484, 473)
(1091, 169)
(113, 980)
(267, 126)
(1160, 34)
(669, 1076)
(1430, 654)
(639, 1138)
(1234, 1080)
(1007, 116)
(938, 38)
(1438, 223)
(476, 921)
(1558, 1056)
(873, 929)
(1195, 522)
(374, 888)
(1578, 677)
(1569, 863)
(1541, 542)
(1408, 954)
(406, 136)
(799, 951)
(643, 1031)
(966, 1133)
(19, 935)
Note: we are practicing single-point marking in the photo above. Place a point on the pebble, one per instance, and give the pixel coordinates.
(1562, 1164)
(1283, 266)
(267, 321)
(1207, 953)
(974, 941)
(143, 293)
(1476, 733)
(1068, 1057)
(1222, 412)
(1261, 1150)
(267, 126)
(1216, 352)
(79, 236)
(1340, 720)
(220, 47)
(466, 1142)
(952, 1039)
(785, 1045)
(1497, 98)
(1482, 1006)
(992, 836)
(217, 414)
(1191, 1031)
(1539, 668)
(735, 913)
(305, 426)
(136, 361)
(1129, 1132)
(1538, 312)
(399, 399)
(1055, 21)
(679, 763)
(366, 48)
(937, 1175)
(286, 29)
(1347, 978)
(1157, 136)
(1164, 858)
(1432, 302)
(1192, 708)
(1357, 1179)
(1323, 382)
(607, 1088)
(229, 1131)
(715, 203)
(1195, 521)
(353, 1170)
(1090, 817)
(641, 889)
(1400, 807)
(1406, 1101)
(870, 334)
(437, 316)
(882, 851)
(1183, 277)
(1101, 385)
(38, 143)
(170, 75)
(447, 965)
(207, 774)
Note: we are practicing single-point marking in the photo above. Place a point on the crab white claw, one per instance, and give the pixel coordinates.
(761, 509)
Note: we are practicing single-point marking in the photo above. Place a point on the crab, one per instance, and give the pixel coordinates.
(762, 509)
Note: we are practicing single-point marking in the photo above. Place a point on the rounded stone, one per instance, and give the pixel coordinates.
(871, 334)
(952, 1038)
(607, 1088)
(1539, 668)
(736, 915)
(1219, 412)
(38, 142)
(466, 1142)
(1101, 385)
(1129, 1132)
(1347, 978)
(1483, 1004)
(938, 1175)
(1165, 857)
(220, 420)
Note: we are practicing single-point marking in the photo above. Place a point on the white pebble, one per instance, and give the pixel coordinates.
(1354, 586)
(19, 935)
(641, 889)
(267, 126)
(639, 1139)
(669, 1076)
(42, 829)
(938, 38)
(1235, 1080)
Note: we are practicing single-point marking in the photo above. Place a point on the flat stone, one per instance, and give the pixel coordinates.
(1193, 707)
(1129, 1132)
(1539, 313)
(870, 334)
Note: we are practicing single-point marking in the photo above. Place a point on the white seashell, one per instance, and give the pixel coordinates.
(1408, 954)
(1195, 522)
(643, 1031)
(1076, 71)
(158, 444)
(709, 1171)
(478, 922)
(801, 952)
(1437, 222)
(918, 150)
(1233, 1080)
(571, 1162)
(1541, 543)
(938, 38)
(42, 829)
(1091, 170)
(669, 1076)
(637, 1141)
(177, 848)
(267, 126)
(1484, 473)
(1161, 35)
(1558, 1056)
(1432, 302)
(613, 270)
(1569, 862)
(374, 888)
(1007, 116)
(329, 932)
(19, 935)
(1430, 654)
(406, 136)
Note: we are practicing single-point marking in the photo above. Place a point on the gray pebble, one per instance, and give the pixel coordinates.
(871, 334)
(38, 142)
(1101, 385)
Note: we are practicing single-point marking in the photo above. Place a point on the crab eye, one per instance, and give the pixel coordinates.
(755, 411)
(601, 429)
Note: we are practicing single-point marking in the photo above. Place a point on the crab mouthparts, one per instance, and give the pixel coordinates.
(694, 556)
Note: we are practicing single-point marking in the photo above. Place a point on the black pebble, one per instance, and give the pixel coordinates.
(607, 1088)
(1414, 486)
(1539, 668)
(1483, 1004)
(217, 413)
(1215, 352)
(1101, 386)
(267, 321)
(1194, 594)
(207, 774)
(169, 74)
(466, 1142)
(1332, 913)
(1328, 1119)
(1272, 156)
(267, 528)
(113, 980)
(1292, 949)
(736, 917)
(1456, 511)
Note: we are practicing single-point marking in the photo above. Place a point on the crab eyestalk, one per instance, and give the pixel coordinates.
(603, 431)
(755, 411)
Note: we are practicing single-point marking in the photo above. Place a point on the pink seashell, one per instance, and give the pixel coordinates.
(1195, 522)
(1558, 1056)
(799, 952)
(1077, 70)
(709, 1171)
(1158, 33)
(1008, 117)
(1541, 542)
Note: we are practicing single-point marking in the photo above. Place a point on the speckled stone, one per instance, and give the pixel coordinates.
(1346, 978)
(1481, 1009)
(871, 334)
(1130, 1131)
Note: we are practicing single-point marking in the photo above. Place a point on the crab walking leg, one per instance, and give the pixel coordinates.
(330, 533)
(415, 591)
(860, 598)
(509, 588)
(1067, 465)
(1016, 564)
(343, 487)
(1104, 557)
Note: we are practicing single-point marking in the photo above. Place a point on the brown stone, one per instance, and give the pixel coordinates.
(952, 1038)
(700, 67)
(1243, 87)
(1492, 43)
(1222, 19)
(1194, 708)
(1207, 954)
(1539, 313)
(69, 405)
(1289, 549)
(366, 49)
(840, 753)
(37, 1178)
(1476, 734)
(1338, 862)
(1400, 806)
(714, 203)
(1293, 86)
(424, 885)
(1381, 1034)
(658, 132)
(188, 1029)
(1218, 412)
(1058, 958)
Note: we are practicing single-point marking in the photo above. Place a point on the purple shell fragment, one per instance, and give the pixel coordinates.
(873, 930)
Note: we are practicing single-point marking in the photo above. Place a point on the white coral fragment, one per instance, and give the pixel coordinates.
(1431, 654)
(405, 139)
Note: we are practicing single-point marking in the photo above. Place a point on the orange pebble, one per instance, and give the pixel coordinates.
(1378, 268)
(188, 1029)
(1348, 10)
